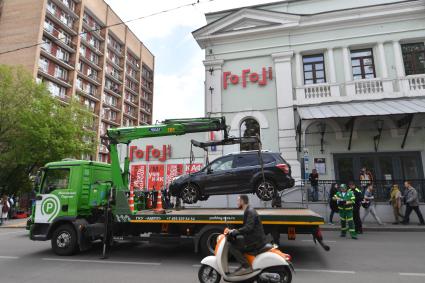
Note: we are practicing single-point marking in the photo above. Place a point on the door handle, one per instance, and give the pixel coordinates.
(38, 198)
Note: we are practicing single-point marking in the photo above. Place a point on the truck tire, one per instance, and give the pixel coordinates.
(266, 190)
(64, 240)
(208, 241)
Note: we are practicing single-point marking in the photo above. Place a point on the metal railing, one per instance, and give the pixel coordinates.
(382, 189)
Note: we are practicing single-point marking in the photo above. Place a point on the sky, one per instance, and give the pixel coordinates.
(179, 72)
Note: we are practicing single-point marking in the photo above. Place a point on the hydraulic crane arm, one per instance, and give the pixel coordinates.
(166, 128)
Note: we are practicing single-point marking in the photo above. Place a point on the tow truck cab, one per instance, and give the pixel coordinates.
(68, 193)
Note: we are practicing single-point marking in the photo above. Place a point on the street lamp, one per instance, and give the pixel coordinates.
(377, 138)
(322, 130)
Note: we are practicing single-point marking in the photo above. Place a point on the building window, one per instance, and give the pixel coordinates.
(414, 58)
(314, 69)
(43, 64)
(362, 64)
(249, 128)
(61, 73)
(56, 90)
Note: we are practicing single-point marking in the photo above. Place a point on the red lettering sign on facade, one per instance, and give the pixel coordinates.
(156, 177)
(138, 177)
(150, 153)
(173, 170)
(195, 167)
(253, 77)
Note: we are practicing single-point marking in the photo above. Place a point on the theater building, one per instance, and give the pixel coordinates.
(333, 85)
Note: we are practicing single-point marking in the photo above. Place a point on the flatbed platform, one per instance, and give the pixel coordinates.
(282, 216)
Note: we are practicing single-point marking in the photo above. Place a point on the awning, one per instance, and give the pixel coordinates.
(363, 108)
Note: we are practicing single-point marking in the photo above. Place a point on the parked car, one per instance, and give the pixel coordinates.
(235, 174)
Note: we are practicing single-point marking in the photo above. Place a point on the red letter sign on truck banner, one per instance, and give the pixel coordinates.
(156, 177)
(138, 177)
(173, 170)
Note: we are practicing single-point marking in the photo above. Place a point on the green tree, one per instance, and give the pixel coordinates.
(36, 128)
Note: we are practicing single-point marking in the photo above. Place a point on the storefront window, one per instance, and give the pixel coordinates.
(249, 128)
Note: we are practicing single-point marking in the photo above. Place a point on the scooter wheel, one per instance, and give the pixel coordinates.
(207, 274)
(285, 274)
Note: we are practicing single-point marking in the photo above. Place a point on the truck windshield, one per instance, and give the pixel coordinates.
(55, 179)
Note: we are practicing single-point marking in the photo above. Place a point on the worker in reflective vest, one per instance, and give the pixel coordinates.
(345, 200)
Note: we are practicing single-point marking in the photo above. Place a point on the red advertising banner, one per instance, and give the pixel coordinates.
(156, 177)
(173, 170)
(195, 167)
(138, 177)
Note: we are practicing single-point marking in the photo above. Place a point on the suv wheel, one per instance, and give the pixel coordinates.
(190, 193)
(265, 190)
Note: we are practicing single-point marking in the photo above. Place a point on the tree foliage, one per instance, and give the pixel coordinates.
(36, 128)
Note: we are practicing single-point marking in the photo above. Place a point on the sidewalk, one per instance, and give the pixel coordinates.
(14, 223)
(387, 227)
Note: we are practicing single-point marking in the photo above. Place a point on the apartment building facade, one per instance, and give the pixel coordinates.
(86, 54)
(332, 85)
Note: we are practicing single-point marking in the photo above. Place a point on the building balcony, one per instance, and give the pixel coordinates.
(366, 89)
(145, 110)
(113, 90)
(131, 78)
(115, 122)
(113, 107)
(91, 95)
(69, 65)
(95, 49)
(131, 90)
(115, 64)
(90, 62)
(91, 78)
(118, 52)
(146, 99)
(64, 5)
(51, 77)
(114, 77)
(60, 21)
(133, 66)
(58, 38)
(93, 31)
(131, 102)
(131, 115)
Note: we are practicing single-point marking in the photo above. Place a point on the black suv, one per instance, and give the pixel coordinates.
(235, 174)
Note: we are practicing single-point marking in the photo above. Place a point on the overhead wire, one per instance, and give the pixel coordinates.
(192, 4)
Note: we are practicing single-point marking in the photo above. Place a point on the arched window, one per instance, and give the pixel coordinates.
(249, 128)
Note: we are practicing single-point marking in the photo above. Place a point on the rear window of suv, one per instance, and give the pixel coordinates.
(245, 160)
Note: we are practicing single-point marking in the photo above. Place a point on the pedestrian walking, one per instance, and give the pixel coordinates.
(366, 178)
(395, 202)
(5, 207)
(412, 203)
(314, 182)
(369, 205)
(345, 200)
(332, 202)
(356, 207)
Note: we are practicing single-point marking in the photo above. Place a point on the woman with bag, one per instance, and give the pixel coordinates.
(5, 206)
(332, 203)
(368, 204)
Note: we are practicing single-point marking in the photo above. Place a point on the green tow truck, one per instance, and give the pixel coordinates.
(79, 202)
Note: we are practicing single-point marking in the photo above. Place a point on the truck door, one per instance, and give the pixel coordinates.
(52, 200)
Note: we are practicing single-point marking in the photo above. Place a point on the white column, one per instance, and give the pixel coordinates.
(347, 64)
(332, 73)
(382, 60)
(298, 69)
(386, 83)
(331, 64)
(285, 103)
(398, 56)
(349, 86)
(403, 84)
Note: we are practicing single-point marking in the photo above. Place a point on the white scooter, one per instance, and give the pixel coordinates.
(269, 265)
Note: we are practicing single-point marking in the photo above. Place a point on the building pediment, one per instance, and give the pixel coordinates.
(247, 20)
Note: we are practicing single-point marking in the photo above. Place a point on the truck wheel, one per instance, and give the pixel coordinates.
(265, 190)
(208, 241)
(64, 240)
(190, 193)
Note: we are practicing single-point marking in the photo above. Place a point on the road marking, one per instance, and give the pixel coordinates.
(8, 257)
(325, 271)
(102, 261)
(327, 241)
(412, 274)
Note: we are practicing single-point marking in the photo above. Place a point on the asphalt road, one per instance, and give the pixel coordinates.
(376, 257)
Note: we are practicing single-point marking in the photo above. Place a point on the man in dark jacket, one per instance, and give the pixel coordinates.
(356, 208)
(253, 232)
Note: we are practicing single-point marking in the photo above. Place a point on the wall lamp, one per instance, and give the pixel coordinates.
(377, 138)
(322, 130)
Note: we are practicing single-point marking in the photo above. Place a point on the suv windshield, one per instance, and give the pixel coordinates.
(55, 179)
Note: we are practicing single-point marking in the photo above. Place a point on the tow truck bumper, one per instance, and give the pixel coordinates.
(38, 232)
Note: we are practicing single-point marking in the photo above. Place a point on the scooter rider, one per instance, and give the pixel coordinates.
(253, 232)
